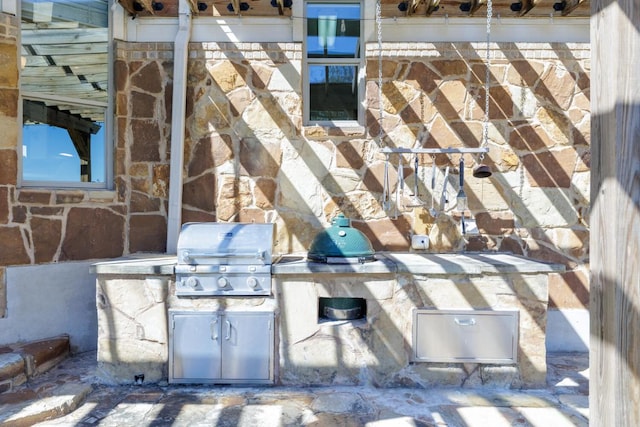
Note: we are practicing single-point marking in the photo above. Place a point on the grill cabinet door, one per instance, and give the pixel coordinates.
(247, 342)
(196, 346)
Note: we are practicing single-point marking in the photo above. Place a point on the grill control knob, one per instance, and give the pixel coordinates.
(223, 282)
(193, 282)
(252, 282)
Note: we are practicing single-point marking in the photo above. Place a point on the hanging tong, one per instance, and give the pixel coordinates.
(386, 198)
(415, 201)
(399, 188)
(443, 195)
(432, 211)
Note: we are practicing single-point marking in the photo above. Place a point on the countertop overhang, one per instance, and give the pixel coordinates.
(470, 263)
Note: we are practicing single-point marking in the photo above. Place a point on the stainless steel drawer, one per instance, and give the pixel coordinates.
(482, 336)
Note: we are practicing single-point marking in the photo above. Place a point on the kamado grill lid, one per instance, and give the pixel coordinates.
(340, 243)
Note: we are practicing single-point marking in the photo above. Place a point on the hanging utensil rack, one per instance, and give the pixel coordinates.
(463, 150)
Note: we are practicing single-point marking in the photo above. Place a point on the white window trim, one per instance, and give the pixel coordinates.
(109, 120)
(360, 62)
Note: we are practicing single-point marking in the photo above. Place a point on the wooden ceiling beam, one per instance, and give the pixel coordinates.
(570, 6)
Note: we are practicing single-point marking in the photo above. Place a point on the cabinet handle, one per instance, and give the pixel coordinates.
(214, 329)
(228, 330)
(465, 322)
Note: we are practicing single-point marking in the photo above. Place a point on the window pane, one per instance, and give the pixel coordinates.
(64, 85)
(58, 146)
(333, 92)
(333, 30)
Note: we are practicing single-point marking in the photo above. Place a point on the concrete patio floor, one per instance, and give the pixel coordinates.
(70, 395)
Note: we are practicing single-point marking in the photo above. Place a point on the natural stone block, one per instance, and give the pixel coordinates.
(141, 202)
(13, 250)
(70, 197)
(239, 100)
(11, 365)
(160, 181)
(148, 78)
(259, 158)
(147, 233)
(228, 75)
(40, 356)
(387, 234)
(495, 223)
(209, 152)
(92, 233)
(265, 193)
(8, 102)
(8, 167)
(373, 179)
(143, 106)
(350, 154)
(4, 205)
(46, 234)
(8, 65)
(145, 141)
(10, 128)
(421, 77)
(200, 192)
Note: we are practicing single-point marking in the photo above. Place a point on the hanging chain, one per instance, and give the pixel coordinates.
(487, 81)
(379, 29)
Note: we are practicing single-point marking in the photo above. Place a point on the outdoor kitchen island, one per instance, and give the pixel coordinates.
(457, 319)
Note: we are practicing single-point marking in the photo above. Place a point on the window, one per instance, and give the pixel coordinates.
(65, 97)
(333, 63)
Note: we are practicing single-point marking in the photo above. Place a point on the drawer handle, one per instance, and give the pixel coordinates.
(465, 322)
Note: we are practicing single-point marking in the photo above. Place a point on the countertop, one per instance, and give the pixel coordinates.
(473, 263)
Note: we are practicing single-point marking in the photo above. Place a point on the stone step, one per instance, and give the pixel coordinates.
(27, 407)
(21, 361)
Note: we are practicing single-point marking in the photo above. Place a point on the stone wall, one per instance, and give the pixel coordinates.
(248, 156)
(9, 139)
(245, 139)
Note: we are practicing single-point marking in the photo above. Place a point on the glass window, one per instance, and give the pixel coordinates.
(65, 95)
(333, 63)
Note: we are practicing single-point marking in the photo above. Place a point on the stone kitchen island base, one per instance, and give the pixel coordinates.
(482, 320)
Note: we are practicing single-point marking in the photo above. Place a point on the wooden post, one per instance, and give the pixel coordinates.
(614, 395)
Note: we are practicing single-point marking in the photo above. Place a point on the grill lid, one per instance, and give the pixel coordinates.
(340, 241)
(225, 243)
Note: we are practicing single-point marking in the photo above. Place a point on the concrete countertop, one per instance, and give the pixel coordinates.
(422, 263)
(473, 263)
(160, 264)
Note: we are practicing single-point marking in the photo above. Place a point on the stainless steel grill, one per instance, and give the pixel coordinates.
(224, 259)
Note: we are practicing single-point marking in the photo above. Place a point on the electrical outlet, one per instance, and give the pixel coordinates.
(420, 242)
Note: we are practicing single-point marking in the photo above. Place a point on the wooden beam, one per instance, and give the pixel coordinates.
(432, 6)
(527, 5)
(570, 6)
(413, 5)
(475, 5)
(236, 6)
(614, 359)
(39, 112)
(89, 13)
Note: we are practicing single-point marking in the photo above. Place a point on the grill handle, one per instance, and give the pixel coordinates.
(261, 255)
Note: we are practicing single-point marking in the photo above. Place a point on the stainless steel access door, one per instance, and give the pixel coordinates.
(246, 346)
(195, 348)
(221, 347)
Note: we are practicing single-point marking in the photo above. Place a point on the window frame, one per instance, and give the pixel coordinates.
(109, 120)
(358, 62)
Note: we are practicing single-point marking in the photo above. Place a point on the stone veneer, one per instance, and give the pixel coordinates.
(134, 296)
(248, 156)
